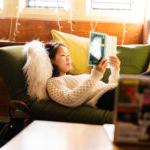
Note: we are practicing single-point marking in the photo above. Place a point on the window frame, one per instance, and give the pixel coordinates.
(44, 13)
(117, 15)
(83, 14)
(111, 7)
(46, 7)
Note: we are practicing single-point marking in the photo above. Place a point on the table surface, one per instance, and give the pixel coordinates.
(48, 135)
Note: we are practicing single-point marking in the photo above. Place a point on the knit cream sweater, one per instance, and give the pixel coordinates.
(74, 90)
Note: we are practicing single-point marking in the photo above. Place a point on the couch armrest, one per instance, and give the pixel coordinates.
(10, 43)
(19, 109)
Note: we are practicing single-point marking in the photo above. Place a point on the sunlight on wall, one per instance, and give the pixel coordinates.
(1, 4)
(133, 16)
(149, 38)
(79, 10)
(148, 10)
(148, 19)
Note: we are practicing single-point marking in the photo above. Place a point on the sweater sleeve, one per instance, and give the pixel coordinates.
(72, 97)
(113, 78)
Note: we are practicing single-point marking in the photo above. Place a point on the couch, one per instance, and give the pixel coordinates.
(134, 60)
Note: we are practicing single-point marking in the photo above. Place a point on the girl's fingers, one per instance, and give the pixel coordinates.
(103, 61)
(114, 59)
(101, 66)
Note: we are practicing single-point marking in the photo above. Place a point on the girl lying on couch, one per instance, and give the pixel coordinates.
(64, 88)
(74, 90)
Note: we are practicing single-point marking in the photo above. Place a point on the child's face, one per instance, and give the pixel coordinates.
(62, 60)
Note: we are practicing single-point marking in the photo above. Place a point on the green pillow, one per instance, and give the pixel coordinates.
(12, 59)
(134, 59)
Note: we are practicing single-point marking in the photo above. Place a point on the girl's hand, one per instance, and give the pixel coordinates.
(114, 60)
(101, 66)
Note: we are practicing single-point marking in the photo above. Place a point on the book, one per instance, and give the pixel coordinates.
(101, 46)
(132, 110)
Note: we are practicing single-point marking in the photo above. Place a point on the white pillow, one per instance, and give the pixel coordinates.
(38, 69)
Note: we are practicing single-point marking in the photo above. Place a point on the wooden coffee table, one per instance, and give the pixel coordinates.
(46, 135)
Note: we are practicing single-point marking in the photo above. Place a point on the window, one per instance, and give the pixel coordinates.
(1, 4)
(111, 4)
(46, 3)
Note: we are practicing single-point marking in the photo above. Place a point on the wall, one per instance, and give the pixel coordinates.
(30, 29)
(37, 23)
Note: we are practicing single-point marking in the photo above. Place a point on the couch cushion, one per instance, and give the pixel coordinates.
(49, 110)
(12, 59)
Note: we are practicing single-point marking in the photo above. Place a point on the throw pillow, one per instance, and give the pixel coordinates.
(78, 47)
(134, 58)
